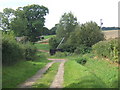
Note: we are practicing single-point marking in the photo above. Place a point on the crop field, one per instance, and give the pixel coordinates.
(111, 34)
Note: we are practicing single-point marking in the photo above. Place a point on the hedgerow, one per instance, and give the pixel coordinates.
(13, 51)
(108, 49)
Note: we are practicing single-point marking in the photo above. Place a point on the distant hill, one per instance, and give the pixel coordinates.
(110, 28)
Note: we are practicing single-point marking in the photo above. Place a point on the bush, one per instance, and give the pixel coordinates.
(81, 60)
(53, 42)
(30, 51)
(82, 49)
(62, 54)
(108, 49)
(13, 51)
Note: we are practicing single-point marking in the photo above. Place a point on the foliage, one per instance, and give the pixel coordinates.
(81, 61)
(30, 51)
(78, 38)
(16, 74)
(53, 30)
(67, 47)
(66, 25)
(19, 25)
(13, 51)
(61, 54)
(108, 49)
(82, 49)
(47, 31)
(87, 34)
(6, 17)
(25, 21)
(53, 42)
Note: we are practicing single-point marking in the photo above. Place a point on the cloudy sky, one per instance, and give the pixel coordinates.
(84, 10)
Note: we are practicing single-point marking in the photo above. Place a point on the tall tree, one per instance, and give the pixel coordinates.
(30, 21)
(6, 18)
(86, 34)
(35, 17)
(19, 24)
(66, 25)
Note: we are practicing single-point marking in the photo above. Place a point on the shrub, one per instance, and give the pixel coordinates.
(62, 54)
(30, 51)
(107, 49)
(81, 60)
(53, 42)
(13, 51)
(82, 49)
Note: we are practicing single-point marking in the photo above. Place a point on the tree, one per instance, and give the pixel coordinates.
(6, 17)
(53, 30)
(66, 25)
(86, 34)
(35, 17)
(19, 24)
(30, 21)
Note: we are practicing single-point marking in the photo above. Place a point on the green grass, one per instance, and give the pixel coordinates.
(48, 36)
(42, 46)
(16, 74)
(104, 70)
(78, 76)
(94, 74)
(48, 77)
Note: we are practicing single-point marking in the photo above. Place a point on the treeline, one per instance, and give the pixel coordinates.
(46, 31)
(110, 28)
(26, 22)
(78, 38)
(83, 38)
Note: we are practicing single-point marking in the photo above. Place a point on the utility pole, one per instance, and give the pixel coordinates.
(101, 23)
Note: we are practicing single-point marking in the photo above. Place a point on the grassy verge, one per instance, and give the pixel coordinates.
(48, 77)
(104, 70)
(18, 73)
(94, 74)
(81, 77)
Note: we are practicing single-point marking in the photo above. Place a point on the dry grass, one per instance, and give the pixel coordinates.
(111, 34)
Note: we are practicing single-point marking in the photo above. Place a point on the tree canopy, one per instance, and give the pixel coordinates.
(66, 25)
(30, 21)
(25, 21)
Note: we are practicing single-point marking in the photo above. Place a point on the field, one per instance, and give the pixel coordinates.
(111, 34)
